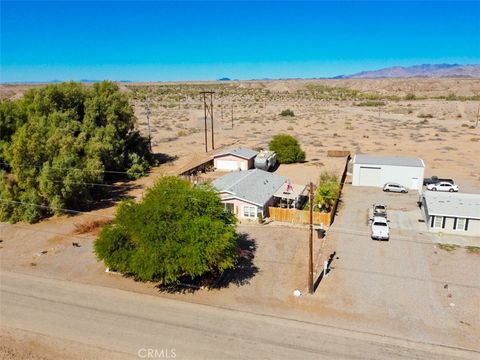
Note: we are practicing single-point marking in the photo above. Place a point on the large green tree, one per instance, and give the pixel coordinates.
(287, 148)
(57, 140)
(177, 230)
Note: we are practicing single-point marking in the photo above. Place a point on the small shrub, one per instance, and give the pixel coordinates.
(425, 116)
(410, 96)
(287, 112)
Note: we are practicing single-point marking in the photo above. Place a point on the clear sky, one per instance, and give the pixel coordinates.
(43, 41)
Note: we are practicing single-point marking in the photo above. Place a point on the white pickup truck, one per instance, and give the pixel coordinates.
(380, 228)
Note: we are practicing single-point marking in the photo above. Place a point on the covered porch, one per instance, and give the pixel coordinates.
(291, 196)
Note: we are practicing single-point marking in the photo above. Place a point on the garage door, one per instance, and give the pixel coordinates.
(228, 165)
(370, 176)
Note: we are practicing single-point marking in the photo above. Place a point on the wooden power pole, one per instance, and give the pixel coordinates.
(310, 244)
(208, 112)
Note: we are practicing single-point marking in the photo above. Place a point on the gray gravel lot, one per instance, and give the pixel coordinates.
(408, 284)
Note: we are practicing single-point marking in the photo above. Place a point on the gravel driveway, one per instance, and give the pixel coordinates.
(407, 285)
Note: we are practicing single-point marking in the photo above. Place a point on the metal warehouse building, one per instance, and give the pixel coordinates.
(378, 170)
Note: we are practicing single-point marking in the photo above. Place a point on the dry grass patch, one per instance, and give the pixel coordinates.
(91, 226)
(447, 247)
(473, 249)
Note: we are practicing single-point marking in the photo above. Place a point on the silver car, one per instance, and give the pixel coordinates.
(394, 187)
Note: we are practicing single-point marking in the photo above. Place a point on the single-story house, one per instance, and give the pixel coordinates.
(234, 159)
(377, 170)
(452, 213)
(248, 193)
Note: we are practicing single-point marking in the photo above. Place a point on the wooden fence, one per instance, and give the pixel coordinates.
(342, 182)
(298, 216)
(303, 216)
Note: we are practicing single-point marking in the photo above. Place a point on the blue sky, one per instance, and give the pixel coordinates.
(68, 40)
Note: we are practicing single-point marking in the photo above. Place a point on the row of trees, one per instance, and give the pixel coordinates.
(57, 140)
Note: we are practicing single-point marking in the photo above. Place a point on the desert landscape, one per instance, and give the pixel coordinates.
(434, 119)
(329, 114)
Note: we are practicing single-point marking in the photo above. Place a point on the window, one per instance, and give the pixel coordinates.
(437, 222)
(461, 224)
(229, 208)
(250, 211)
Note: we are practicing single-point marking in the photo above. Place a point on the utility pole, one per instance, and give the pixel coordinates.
(208, 109)
(478, 115)
(310, 244)
(147, 113)
(232, 116)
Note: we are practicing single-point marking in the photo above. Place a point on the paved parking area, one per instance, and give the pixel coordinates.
(407, 285)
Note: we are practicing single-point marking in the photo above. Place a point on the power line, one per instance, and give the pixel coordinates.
(55, 208)
(64, 168)
(93, 184)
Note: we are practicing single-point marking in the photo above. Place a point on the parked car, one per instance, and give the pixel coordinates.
(394, 187)
(435, 180)
(380, 210)
(443, 186)
(380, 228)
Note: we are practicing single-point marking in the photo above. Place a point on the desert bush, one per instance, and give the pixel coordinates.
(177, 230)
(425, 116)
(287, 148)
(410, 96)
(287, 112)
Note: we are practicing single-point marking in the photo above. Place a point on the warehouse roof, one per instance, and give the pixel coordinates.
(388, 160)
(255, 186)
(452, 204)
(240, 152)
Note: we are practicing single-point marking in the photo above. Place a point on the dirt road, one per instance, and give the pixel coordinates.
(126, 325)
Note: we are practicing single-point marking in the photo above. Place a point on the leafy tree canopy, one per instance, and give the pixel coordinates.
(59, 137)
(287, 148)
(177, 230)
(328, 191)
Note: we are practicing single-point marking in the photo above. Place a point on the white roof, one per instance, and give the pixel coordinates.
(453, 204)
(388, 160)
(240, 152)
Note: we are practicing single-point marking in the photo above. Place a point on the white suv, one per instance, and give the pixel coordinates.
(443, 186)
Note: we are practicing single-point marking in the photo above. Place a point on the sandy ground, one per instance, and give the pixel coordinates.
(397, 289)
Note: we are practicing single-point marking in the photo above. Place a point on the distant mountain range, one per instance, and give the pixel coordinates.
(425, 70)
